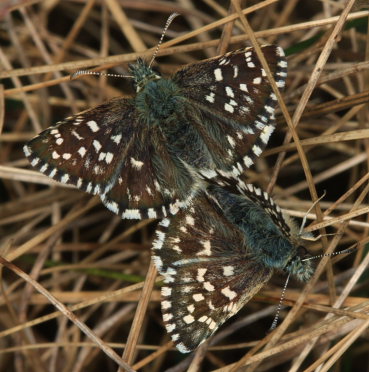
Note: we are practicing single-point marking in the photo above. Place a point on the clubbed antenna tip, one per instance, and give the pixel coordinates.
(167, 24)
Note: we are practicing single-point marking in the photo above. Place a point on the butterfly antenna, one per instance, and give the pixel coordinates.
(167, 24)
(79, 73)
(347, 250)
(306, 214)
(279, 307)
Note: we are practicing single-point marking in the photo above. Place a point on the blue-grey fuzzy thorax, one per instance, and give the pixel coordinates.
(264, 240)
(158, 100)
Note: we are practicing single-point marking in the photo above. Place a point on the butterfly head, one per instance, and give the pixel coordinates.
(142, 73)
(298, 266)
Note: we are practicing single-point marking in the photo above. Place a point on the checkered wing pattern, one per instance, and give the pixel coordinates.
(209, 273)
(236, 102)
(144, 156)
(238, 185)
(109, 151)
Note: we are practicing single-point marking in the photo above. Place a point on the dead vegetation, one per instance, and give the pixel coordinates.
(98, 266)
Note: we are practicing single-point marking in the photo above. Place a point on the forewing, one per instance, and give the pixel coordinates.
(108, 151)
(236, 102)
(239, 185)
(153, 182)
(209, 274)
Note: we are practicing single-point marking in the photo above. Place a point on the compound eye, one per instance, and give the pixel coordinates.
(302, 252)
(156, 70)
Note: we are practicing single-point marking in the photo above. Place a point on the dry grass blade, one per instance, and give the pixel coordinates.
(129, 351)
(104, 347)
(77, 251)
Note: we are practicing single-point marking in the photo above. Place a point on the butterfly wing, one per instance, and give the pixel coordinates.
(108, 151)
(239, 186)
(155, 187)
(209, 273)
(142, 155)
(236, 104)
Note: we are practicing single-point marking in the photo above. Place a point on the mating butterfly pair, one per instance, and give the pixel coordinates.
(178, 148)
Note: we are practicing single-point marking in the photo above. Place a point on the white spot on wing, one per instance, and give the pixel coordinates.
(166, 291)
(200, 274)
(198, 297)
(27, 151)
(112, 206)
(82, 151)
(257, 150)
(208, 173)
(136, 164)
(228, 270)
(212, 324)
(53, 173)
(269, 109)
(182, 348)
(229, 92)
(165, 222)
(210, 97)
(65, 178)
(116, 138)
(175, 337)
(218, 74)
(235, 71)
(188, 319)
(109, 157)
(93, 126)
(191, 308)
(248, 161)
(207, 248)
(151, 213)
(231, 141)
(229, 293)
(166, 305)
(148, 190)
(158, 242)
(167, 317)
(97, 145)
(170, 327)
(157, 186)
(190, 220)
(282, 64)
(75, 134)
(265, 134)
(243, 87)
(209, 287)
(228, 108)
(131, 214)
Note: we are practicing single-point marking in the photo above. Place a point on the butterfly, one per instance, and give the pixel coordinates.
(145, 156)
(218, 253)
